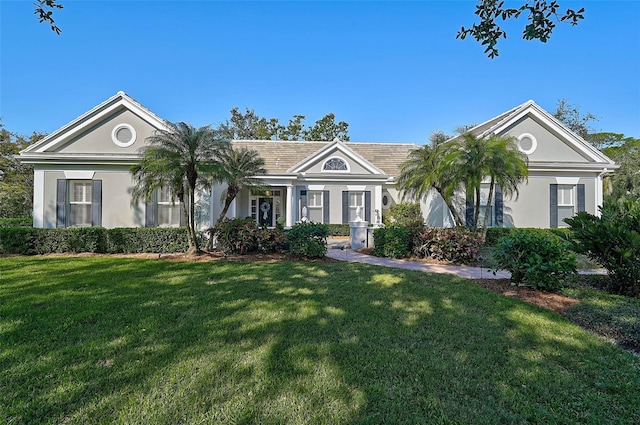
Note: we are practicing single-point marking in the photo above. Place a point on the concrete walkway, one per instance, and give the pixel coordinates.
(338, 249)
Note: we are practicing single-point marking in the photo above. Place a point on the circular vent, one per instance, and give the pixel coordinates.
(527, 144)
(123, 135)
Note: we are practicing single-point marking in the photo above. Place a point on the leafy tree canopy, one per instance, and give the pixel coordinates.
(251, 126)
(44, 10)
(542, 16)
(16, 179)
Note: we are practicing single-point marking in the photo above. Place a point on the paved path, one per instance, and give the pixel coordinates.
(338, 250)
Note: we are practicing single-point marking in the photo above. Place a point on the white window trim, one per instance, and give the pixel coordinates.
(534, 143)
(119, 127)
(346, 163)
(84, 200)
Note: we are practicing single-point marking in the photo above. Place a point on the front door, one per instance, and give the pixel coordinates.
(265, 211)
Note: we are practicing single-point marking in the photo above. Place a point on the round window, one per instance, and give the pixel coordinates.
(123, 135)
(527, 144)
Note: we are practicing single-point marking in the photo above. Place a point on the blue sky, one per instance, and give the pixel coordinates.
(393, 70)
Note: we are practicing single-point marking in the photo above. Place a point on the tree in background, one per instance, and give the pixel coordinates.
(16, 178)
(44, 10)
(575, 121)
(250, 126)
(542, 16)
(181, 158)
(625, 182)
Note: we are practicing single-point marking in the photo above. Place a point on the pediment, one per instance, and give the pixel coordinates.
(118, 126)
(336, 159)
(542, 137)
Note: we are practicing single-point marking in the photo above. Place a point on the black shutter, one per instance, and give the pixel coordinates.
(345, 206)
(469, 212)
(367, 206)
(499, 206)
(581, 203)
(61, 203)
(325, 207)
(553, 205)
(96, 203)
(150, 211)
(183, 223)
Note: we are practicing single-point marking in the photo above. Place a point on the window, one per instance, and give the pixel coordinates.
(566, 203)
(168, 210)
(80, 203)
(335, 164)
(484, 196)
(356, 199)
(314, 206)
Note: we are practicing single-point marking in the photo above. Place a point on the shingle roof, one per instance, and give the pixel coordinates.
(279, 156)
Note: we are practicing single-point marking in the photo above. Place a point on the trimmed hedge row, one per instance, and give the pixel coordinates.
(16, 222)
(31, 241)
(338, 229)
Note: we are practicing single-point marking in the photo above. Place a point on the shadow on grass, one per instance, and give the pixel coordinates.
(143, 341)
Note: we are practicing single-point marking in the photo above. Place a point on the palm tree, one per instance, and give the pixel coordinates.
(424, 170)
(240, 170)
(475, 159)
(181, 158)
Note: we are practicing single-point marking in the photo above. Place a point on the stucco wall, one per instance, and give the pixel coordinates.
(97, 139)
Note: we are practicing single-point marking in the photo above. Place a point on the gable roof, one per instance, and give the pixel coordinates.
(115, 103)
(500, 123)
(285, 157)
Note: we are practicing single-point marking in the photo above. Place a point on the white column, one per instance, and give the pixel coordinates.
(38, 200)
(599, 194)
(289, 205)
(377, 204)
(232, 209)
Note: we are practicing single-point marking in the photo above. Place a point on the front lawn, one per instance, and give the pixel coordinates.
(115, 340)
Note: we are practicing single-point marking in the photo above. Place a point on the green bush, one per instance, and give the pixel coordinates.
(458, 244)
(338, 229)
(379, 241)
(237, 235)
(612, 240)
(16, 222)
(407, 215)
(29, 241)
(271, 240)
(308, 239)
(392, 241)
(538, 259)
(495, 233)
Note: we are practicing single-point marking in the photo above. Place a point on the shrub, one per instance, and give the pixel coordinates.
(16, 222)
(407, 215)
(392, 241)
(379, 241)
(612, 240)
(271, 240)
(339, 229)
(308, 239)
(458, 244)
(29, 241)
(237, 235)
(535, 258)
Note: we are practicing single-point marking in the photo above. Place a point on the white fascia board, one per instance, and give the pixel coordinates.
(555, 125)
(114, 103)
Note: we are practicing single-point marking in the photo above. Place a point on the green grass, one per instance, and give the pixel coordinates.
(125, 341)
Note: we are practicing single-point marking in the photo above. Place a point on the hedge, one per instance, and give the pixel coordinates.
(30, 241)
(16, 222)
(495, 233)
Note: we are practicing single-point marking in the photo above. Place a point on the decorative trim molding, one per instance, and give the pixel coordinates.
(114, 135)
(534, 143)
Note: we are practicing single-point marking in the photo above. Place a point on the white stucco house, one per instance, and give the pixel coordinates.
(82, 178)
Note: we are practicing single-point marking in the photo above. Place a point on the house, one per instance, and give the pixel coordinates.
(82, 178)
